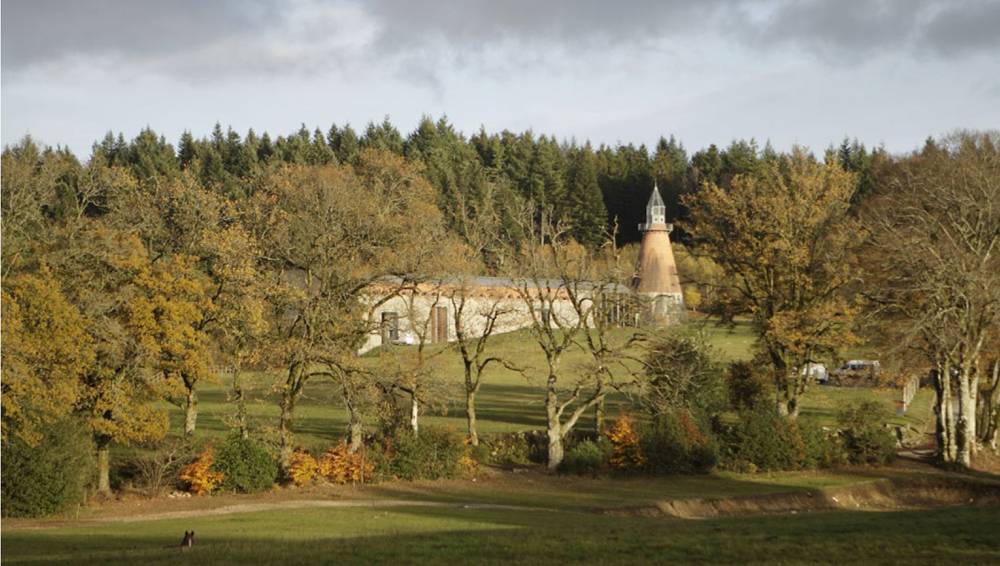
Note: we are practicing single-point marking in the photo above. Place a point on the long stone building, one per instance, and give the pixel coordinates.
(427, 312)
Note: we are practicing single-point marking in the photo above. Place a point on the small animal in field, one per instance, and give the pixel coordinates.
(186, 542)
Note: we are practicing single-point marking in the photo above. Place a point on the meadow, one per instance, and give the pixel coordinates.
(508, 401)
(526, 515)
(528, 518)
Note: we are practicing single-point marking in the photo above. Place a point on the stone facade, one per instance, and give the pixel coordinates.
(427, 313)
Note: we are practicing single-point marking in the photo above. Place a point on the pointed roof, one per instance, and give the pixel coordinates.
(655, 199)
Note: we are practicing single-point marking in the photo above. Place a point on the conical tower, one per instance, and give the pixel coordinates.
(656, 281)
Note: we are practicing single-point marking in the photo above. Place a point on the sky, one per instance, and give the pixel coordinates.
(809, 72)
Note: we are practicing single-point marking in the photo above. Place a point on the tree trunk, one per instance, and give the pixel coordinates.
(599, 417)
(285, 428)
(470, 417)
(414, 414)
(190, 412)
(782, 407)
(103, 467)
(554, 427)
(945, 413)
(966, 433)
(355, 433)
(989, 412)
(241, 405)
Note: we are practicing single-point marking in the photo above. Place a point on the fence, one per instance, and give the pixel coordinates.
(908, 393)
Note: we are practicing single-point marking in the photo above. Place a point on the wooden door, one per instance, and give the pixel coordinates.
(439, 321)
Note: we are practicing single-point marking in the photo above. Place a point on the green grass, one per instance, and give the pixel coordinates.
(508, 400)
(474, 535)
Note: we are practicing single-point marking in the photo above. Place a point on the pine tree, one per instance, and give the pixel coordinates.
(586, 209)
(186, 150)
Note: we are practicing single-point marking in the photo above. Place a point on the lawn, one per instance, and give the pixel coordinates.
(531, 519)
(508, 401)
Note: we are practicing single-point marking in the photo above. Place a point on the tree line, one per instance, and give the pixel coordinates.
(145, 271)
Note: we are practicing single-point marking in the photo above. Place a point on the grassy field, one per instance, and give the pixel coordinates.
(456, 535)
(530, 518)
(508, 401)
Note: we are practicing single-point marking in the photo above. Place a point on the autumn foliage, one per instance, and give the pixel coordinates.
(340, 465)
(199, 475)
(625, 450)
(303, 468)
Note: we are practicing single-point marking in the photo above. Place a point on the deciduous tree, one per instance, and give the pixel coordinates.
(784, 238)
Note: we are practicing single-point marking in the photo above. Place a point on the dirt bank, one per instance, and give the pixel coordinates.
(877, 495)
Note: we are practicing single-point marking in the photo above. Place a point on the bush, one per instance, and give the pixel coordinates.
(822, 449)
(746, 386)
(763, 440)
(586, 457)
(674, 444)
(481, 453)
(626, 453)
(433, 454)
(302, 468)
(340, 465)
(246, 465)
(517, 448)
(681, 373)
(200, 476)
(866, 439)
(157, 468)
(47, 478)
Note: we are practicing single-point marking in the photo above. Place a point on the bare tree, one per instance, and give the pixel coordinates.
(935, 271)
(560, 287)
(407, 369)
(470, 303)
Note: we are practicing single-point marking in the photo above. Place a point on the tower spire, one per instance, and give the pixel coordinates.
(656, 212)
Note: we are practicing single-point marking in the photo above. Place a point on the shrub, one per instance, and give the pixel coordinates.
(246, 465)
(517, 448)
(866, 440)
(467, 464)
(763, 440)
(481, 453)
(626, 453)
(680, 373)
(586, 457)
(822, 449)
(746, 386)
(433, 454)
(157, 468)
(339, 465)
(674, 444)
(49, 477)
(200, 476)
(302, 468)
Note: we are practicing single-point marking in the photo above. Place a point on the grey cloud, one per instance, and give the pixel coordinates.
(36, 31)
(856, 28)
(199, 39)
(966, 27)
(477, 22)
(830, 27)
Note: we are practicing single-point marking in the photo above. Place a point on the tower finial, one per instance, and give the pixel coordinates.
(656, 211)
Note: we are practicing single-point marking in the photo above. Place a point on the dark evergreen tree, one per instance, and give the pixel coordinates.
(586, 209)
(186, 150)
(383, 136)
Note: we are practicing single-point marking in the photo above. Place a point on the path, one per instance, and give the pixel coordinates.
(283, 505)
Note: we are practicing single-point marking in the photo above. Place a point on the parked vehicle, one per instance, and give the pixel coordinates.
(817, 372)
(857, 371)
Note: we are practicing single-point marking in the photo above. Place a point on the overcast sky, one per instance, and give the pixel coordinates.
(707, 71)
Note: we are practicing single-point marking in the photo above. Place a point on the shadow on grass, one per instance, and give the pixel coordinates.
(463, 535)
